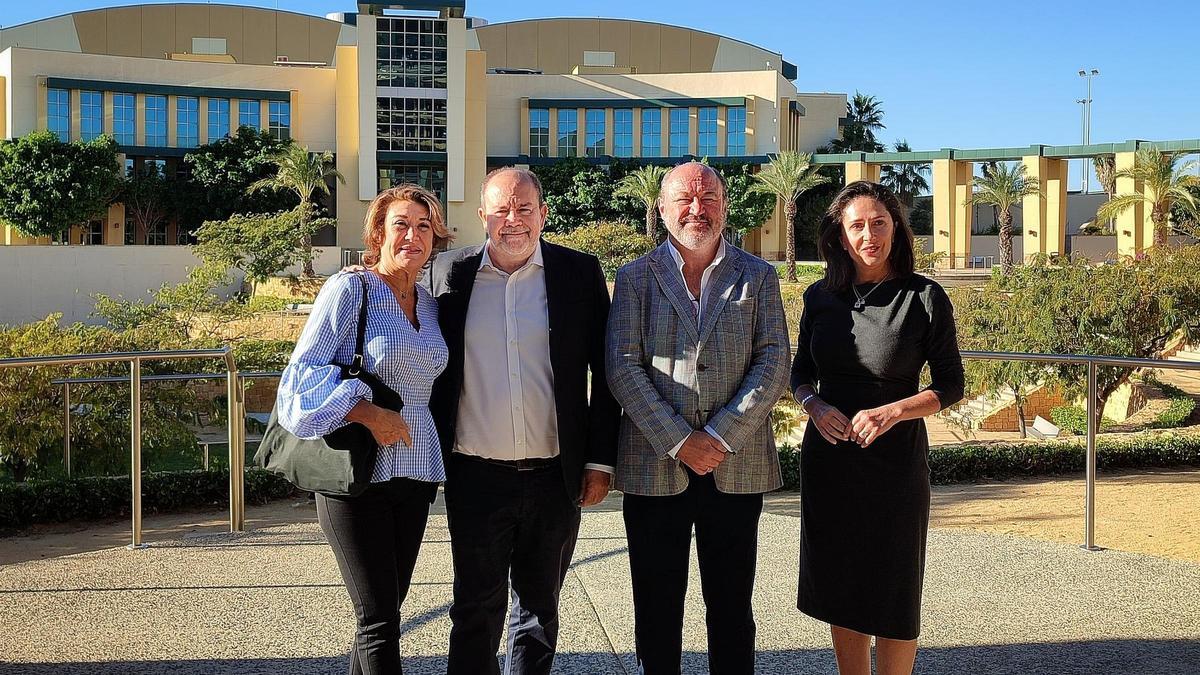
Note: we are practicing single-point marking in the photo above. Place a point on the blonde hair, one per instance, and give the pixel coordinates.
(373, 224)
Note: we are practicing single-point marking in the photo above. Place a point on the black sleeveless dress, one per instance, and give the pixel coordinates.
(864, 512)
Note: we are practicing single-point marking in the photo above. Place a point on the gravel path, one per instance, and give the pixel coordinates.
(270, 601)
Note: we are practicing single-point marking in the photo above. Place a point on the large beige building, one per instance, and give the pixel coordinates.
(401, 92)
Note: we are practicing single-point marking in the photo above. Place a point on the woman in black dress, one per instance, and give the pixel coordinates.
(867, 330)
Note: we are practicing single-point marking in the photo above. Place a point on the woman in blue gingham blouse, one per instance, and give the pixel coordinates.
(376, 535)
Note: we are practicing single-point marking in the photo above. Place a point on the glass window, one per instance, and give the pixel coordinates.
(125, 118)
(410, 124)
(539, 132)
(430, 177)
(678, 129)
(58, 113)
(187, 122)
(218, 118)
(735, 131)
(594, 140)
(91, 114)
(410, 53)
(651, 132)
(250, 114)
(157, 235)
(568, 132)
(279, 122)
(623, 132)
(93, 233)
(706, 134)
(156, 121)
(130, 232)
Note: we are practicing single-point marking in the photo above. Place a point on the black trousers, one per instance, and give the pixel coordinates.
(659, 530)
(507, 526)
(375, 538)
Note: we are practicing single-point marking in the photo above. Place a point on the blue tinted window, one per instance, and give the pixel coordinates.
(623, 132)
(568, 133)
(58, 113)
(91, 114)
(125, 118)
(651, 132)
(156, 121)
(187, 122)
(678, 129)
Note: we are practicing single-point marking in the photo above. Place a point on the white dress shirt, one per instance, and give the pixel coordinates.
(699, 303)
(506, 409)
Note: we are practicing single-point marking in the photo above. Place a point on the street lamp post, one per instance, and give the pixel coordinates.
(1087, 118)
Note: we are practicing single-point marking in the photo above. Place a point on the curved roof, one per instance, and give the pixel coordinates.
(252, 35)
(556, 45)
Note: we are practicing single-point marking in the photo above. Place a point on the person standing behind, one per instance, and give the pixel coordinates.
(524, 320)
(377, 534)
(867, 330)
(697, 356)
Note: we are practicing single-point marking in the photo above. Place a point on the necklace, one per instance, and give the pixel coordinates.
(861, 302)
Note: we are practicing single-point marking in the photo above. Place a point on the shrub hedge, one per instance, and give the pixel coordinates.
(89, 498)
(974, 462)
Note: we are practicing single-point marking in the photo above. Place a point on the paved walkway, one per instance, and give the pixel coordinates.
(270, 601)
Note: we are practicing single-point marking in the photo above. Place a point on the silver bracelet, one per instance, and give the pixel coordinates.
(805, 400)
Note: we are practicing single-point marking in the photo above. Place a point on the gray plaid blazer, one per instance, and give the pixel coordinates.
(672, 379)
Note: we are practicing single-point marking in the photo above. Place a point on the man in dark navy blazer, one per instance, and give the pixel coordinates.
(529, 437)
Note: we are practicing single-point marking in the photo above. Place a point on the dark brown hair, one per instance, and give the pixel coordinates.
(839, 267)
(373, 224)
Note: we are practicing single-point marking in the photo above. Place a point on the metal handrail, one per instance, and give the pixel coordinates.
(236, 403)
(1092, 363)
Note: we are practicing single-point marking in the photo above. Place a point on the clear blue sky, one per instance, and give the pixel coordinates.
(949, 74)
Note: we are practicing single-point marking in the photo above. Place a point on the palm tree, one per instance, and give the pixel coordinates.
(303, 173)
(1164, 183)
(1003, 187)
(906, 180)
(644, 184)
(864, 116)
(789, 175)
(1106, 174)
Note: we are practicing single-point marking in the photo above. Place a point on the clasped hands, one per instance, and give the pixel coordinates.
(866, 426)
(701, 452)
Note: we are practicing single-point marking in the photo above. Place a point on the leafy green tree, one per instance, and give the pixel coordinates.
(1165, 183)
(220, 173)
(864, 116)
(1004, 187)
(260, 244)
(906, 180)
(644, 184)
(149, 201)
(615, 244)
(787, 176)
(47, 186)
(303, 173)
(1132, 308)
(1105, 167)
(748, 208)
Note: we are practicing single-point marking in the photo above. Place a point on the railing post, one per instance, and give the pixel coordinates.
(237, 516)
(1089, 509)
(67, 427)
(135, 465)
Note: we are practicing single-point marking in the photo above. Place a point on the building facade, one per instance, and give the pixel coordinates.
(401, 92)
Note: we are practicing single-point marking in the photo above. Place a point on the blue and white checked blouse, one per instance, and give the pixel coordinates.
(313, 400)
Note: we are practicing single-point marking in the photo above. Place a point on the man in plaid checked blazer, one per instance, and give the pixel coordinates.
(698, 355)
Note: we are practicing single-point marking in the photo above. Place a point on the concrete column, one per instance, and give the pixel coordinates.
(523, 132)
(294, 112)
(172, 121)
(74, 97)
(722, 130)
(581, 132)
(202, 119)
(637, 132)
(107, 98)
(1132, 223)
(862, 171)
(264, 117)
(664, 127)
(139, 120)
(552, 148)
(693, 130)
(951, 218)
(1044, 215)
(751, 137)
(609, 121)
(114, 225)
(350, 209)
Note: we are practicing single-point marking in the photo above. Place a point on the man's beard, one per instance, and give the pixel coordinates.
(693, 239)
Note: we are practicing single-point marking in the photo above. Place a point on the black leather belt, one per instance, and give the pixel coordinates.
(531, 464)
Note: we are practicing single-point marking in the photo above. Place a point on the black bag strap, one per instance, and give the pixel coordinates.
(356, 366)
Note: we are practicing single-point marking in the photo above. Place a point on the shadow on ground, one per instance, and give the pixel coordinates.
(1131, 657)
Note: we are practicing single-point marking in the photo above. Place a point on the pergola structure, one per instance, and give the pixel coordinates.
(1044, 215)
